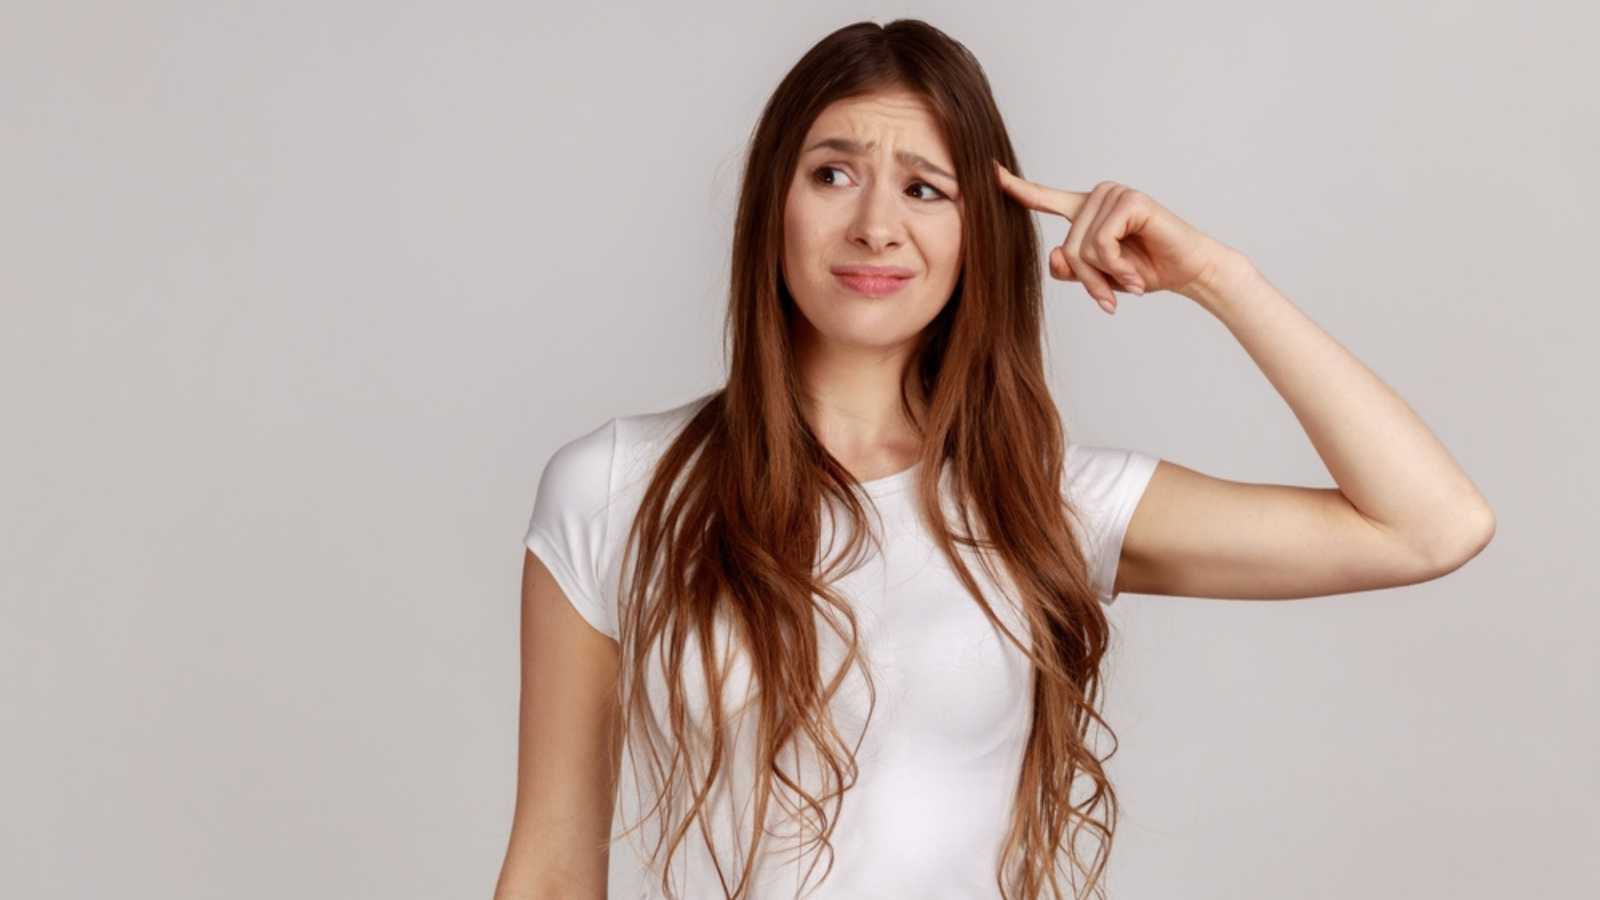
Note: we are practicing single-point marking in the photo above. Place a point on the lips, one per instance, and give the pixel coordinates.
(874, 271)
(873, 285)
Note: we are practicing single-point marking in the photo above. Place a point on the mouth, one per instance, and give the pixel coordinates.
(871, 283)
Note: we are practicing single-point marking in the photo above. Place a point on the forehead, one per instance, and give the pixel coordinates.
(898, 118)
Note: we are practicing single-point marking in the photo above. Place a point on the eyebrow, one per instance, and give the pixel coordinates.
(856, 148)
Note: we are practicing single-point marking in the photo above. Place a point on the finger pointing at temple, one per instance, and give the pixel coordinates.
(1041, 197)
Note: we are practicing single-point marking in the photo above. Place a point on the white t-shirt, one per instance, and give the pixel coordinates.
(940, 757)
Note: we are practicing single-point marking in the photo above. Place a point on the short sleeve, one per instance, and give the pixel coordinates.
(568, 527)
(1105, 485)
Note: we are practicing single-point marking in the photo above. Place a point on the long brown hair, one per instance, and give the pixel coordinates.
(728, 529)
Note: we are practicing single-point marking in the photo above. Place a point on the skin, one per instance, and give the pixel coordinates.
(871, 209)
(1403, 511)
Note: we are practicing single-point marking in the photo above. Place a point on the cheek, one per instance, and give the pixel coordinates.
(801, 227)
(943, 245)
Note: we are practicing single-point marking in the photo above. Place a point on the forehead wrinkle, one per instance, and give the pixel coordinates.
(856, 148)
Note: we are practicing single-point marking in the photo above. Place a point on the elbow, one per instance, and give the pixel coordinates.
(1469, 533)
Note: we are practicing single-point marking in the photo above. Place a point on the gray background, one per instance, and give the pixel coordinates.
(300, 297)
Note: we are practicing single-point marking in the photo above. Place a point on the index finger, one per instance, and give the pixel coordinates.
(1040, 197)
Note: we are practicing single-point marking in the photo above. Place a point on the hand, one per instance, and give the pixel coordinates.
(1121, 239)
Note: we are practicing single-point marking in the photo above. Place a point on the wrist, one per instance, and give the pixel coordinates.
(1224, 278)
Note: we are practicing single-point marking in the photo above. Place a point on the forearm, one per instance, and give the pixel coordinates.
(1386, 461)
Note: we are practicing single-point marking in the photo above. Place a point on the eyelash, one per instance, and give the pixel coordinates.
(821, 169)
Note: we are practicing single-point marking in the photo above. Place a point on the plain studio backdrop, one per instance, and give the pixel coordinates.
(299, 298)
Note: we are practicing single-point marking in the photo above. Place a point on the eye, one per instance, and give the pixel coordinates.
(938, 194)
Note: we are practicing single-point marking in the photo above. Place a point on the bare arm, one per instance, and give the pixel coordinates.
(1403, 511)
(568, 750)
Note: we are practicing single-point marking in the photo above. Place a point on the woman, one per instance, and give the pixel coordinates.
(879, 527)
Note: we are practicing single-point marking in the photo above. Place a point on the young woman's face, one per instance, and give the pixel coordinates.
(874, 186)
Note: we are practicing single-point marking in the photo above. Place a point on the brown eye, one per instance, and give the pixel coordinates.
(817, 175)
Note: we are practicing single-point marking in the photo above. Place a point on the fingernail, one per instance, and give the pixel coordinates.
(1136, 286)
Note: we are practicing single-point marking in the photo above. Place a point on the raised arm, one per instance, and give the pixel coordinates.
(1403, 511)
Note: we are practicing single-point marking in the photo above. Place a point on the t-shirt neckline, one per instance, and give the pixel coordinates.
(892, 483)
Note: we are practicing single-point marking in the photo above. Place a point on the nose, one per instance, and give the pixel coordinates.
(877, 225)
